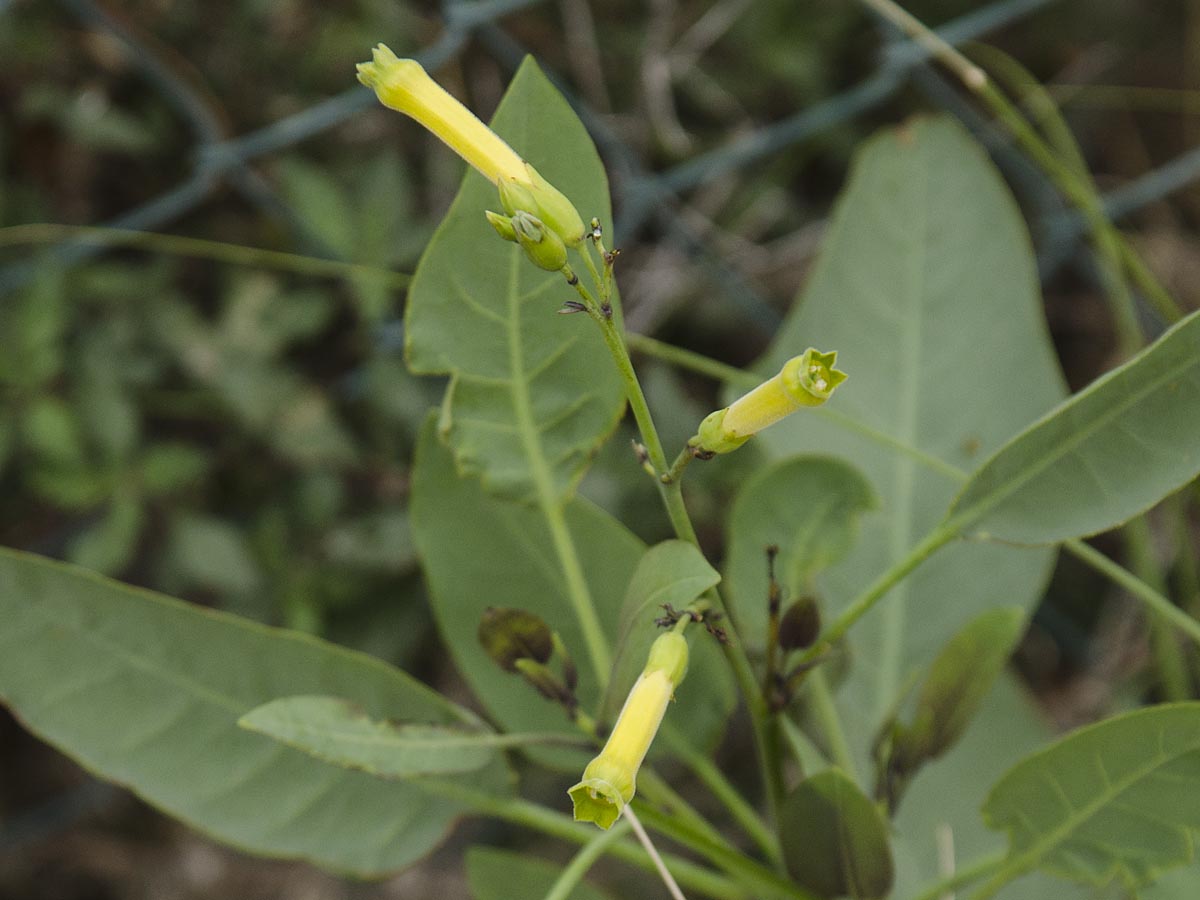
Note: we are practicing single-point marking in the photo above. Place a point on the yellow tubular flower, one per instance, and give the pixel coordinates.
(610, 780)
(403, 85)
(806, 380)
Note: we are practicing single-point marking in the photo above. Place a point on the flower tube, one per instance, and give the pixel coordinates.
(806, 380)
(404, 85)
(610, 780)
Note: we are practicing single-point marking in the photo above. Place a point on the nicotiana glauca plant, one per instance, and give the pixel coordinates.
(879, 565)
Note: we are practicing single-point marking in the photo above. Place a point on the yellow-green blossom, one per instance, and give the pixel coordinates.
(403, 85)
(806, 380)
(610, 780)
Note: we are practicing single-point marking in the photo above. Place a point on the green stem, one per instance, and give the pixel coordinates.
(937, 538)
(980, 868)
(654, 788)
(1153, 600)
(584, 860)
(757, 878)
(695, 362)
(802, 747)
(559, 825)
(675, 473)
(1167, 653)
(1062, 175)
(826, 713)
(199, 248)
(681, 522)
(714, 779)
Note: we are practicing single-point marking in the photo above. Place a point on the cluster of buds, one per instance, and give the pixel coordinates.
(539, 216)
(804, 381)
(610, 780)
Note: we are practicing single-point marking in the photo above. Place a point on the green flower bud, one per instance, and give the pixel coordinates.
(610, 780)
(502, 224)
(806, 380)
(543, 247)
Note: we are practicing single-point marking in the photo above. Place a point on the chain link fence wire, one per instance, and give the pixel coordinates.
(643, 197)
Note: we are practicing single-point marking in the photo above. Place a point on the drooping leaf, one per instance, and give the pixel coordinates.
(479, 551)
(1108, 453)
(340, 732)
(927, 288)
(336, 731)
(532, 394)
(807, 506)
(500, 875)
(1119, 799)
(147, 691)
(673, 573)
(959, 679)
(835, 841)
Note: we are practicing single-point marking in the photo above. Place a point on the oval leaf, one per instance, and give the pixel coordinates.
(147, 691)
(835, 842)
(532, 394)
(809, 507)
(1108, 453)
(1115, 799)
(340, 732)
(927, 287)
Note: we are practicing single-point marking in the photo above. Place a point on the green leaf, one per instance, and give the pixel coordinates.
(1118, 799)
(51, 431)
(340, 732)
(479, 551)
(499, 875)
(835, 841)
(959, 679)
(532, 394)
(1108, 453)
(674, 573)
(940, 812)
(809, 507)
(927, 287)
(146, 691)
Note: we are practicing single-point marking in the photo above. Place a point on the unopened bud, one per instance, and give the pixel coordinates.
(800, 625)
(502, 224)
(806, 380)
(510, 635)
(543, 247)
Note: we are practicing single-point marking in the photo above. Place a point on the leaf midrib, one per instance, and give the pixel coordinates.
(1029, 858)
(990, 500)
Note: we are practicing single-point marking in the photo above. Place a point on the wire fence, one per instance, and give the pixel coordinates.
(641, 196)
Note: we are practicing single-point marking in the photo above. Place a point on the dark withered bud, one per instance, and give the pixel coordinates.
(509, 635)
(800, 625)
